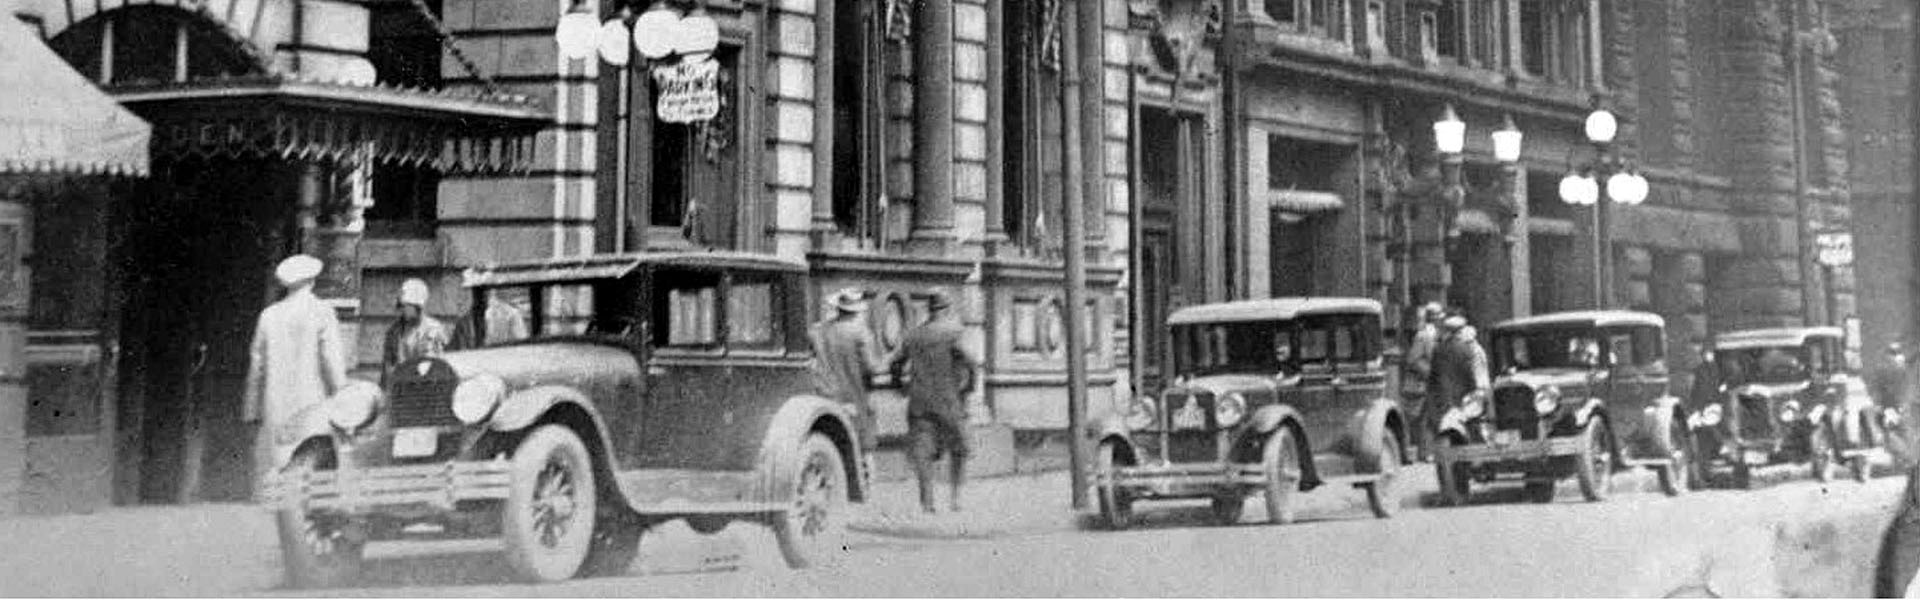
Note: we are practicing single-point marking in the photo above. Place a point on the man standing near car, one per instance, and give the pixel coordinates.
(844, 347)
(939, 374)
(1708, 380)
(1459, 368)
(1413, 378)
(297, 360)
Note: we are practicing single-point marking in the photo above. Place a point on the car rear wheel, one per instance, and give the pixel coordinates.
(1280, 460)
(616, 542)
(1455, 486)
(1116, 508)
(1676, 476)
(551, 507)
(320, 548)
(1383, 495)
(1820, 453)
(1596, 461)
(813, 531)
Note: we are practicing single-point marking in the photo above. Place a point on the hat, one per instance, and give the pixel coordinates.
(1454, 322)
(297, 269)
(414, 292)
(848, 300)
(1432, 310)
(938, 300)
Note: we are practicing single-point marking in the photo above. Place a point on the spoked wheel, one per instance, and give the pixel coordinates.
(1116, 507)
(551, 508)
(1383, 495)
(1676, 476)
(321, 548)
(1455, 486)
(616, 542)
(1227, 507)
(1280, 460)
(1820, 453)
(1596, 461)
(813, 532)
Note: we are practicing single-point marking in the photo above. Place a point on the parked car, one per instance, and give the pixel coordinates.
(1577, 394)
(1270, 397)
(650, 387)
(1789, 397)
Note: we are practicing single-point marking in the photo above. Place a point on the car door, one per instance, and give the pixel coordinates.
(1313, 395)
(1638, 378)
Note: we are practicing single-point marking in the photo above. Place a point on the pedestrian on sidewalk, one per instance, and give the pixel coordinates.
(939, 374)
(1709, 379)
(416, 334)
(297, 360)
(847, 361)
(1459, 366)
(1418, 364)
(1892, 386)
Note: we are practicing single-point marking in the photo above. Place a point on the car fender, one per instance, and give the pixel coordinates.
(1655, 421)
(1452, 422)
(524, 408)
(1268, 418)
(308, 425)
(1366, 428)
(1106, 426)
(797, 418)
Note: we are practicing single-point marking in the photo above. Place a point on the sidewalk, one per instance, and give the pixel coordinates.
(198, 550)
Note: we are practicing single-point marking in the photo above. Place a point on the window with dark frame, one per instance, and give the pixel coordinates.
(405, 52)
(689, 173)
(860, 57)
(1031, 182)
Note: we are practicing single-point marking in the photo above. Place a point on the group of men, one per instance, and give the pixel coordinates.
(934, 368)
(1444, 363)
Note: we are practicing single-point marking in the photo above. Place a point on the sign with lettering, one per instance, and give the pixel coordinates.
(1835, 248)
(689, 92)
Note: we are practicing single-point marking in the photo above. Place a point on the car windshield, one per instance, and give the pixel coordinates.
(1246, 347)
(1577, 348)
(1769, 364)
(593, 309)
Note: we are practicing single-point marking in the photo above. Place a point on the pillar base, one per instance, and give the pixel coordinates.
(936, 242)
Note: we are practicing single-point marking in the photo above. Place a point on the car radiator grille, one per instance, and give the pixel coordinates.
(1192, 446)
(421, 397)
(1756, 417)
(1178, 400)
(1513, 409)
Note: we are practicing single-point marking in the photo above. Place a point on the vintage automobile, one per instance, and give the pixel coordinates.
(1788, 397)
(1574, 393)
(650, 387)
(1271, 397)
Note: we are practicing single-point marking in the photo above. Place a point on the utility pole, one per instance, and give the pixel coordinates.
(1913, 139)
(1073, 229)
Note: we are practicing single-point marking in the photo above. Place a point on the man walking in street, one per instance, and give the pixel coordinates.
(416, 334)
(297, 360)
(1413, 378)
(844, 347)
(939, 373)
(1709, 381)
(1459, 366)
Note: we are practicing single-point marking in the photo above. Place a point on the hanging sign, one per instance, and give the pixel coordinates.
(1835, 248)
(689, 91)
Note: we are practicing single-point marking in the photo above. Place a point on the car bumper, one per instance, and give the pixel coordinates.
(1517, 451)
(1189, 479)
(438, 486)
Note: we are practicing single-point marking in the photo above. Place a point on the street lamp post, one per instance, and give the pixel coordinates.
(657, 34)
(1583, 186)
(1450, 140)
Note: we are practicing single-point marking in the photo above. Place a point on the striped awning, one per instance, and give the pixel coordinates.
(56, 121)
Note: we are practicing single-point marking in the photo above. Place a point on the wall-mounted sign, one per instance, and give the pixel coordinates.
(1835, 248)
(689, 92)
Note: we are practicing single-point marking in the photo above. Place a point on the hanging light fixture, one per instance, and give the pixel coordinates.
(699, 34)
(1579, 190)
(615, 43)
(1601, 126)
(656, 31)
(1449, 133)
(1627, 187)
(578, 35)
(1506, 141)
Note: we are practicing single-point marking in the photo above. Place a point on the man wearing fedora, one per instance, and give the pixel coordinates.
(1459, 367)
(844, 348)
(939, 373)
(297, 360)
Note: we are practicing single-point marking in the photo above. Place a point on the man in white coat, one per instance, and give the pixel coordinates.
(297, 361)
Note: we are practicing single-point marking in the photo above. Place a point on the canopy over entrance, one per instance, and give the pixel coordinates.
(284, 117)
(55, 120)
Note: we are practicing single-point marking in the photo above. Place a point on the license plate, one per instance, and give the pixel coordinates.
(1505, 436)
(1756, 457)
(1190, 417)
(411, 442)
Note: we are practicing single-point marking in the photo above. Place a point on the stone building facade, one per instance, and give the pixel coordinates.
(1876, 50)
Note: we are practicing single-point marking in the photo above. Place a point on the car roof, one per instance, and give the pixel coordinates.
(614, 266)
(1583, 318)
(1271, 309)
(1778, 336)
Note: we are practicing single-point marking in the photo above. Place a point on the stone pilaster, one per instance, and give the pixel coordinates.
(1760, 286)
(933, 126)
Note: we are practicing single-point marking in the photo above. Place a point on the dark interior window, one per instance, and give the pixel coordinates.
(686, 309)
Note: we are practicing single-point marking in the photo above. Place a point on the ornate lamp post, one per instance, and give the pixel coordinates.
(1582, 187)
(658, 33)
(1450, 140)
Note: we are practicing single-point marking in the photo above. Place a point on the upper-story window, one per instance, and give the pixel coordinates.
(862, 60)
(1324, 18)
(1469, 32)
(405, 51)
(1553, 40)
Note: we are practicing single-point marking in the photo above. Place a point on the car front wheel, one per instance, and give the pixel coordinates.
(549, 516)
(321, 548)
(1383, 495)
(1116, 508)
(813, 532)
(1280, 460)
(1596, 461)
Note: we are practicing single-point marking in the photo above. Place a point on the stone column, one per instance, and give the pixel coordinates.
(823, 121)
(996, 131)
(933, 128)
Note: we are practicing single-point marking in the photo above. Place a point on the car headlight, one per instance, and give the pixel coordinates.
(1230, 409)
(475, 398)
(1710, 415)
(1141, 415)
(1546, 400)
(353, 406)
(1790, 411)
(1474, 404)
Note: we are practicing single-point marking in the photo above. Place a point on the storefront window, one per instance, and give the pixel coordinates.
(689, 173)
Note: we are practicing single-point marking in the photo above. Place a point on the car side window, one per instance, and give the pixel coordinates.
(751, 310)
(1620, 349)
(1819, 360)
(1314, 344)
(1648, 346)
(686, 309)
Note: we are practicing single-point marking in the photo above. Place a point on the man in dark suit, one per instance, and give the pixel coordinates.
(939, 373)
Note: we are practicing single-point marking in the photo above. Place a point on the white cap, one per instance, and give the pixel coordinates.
(414, 292)
(297, 269)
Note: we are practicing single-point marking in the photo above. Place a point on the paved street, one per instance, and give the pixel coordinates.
(1639, 544)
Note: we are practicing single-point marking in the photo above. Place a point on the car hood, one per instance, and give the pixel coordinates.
(1538, 378)
(542, 363)
(1771, 390)
(1222, 384)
